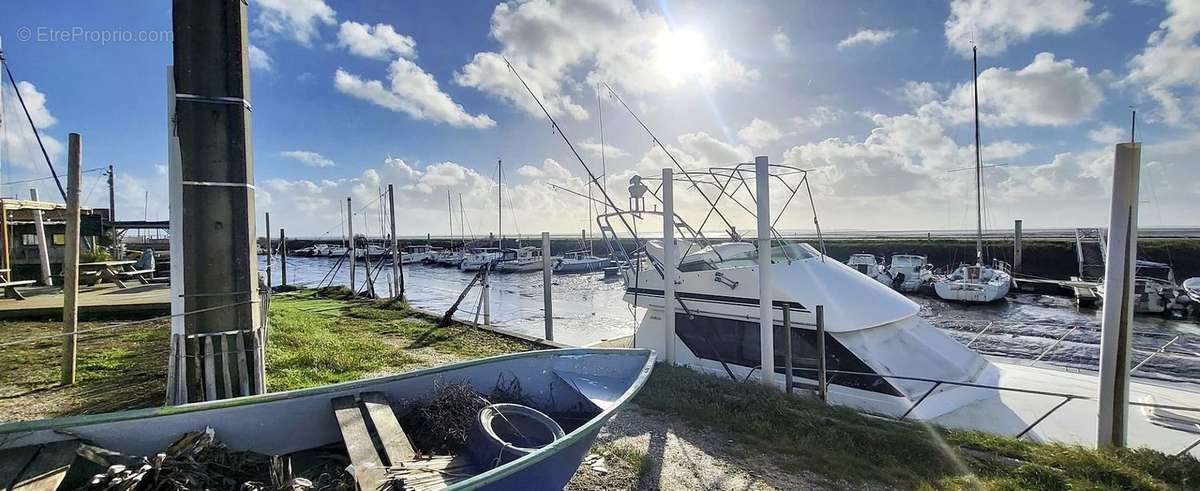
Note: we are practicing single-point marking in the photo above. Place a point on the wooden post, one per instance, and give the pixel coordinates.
(547, 305)
(269, 252)
(822, 377)
(112, 209)
(282, 257)
(4, 237)
(71, 260)
(212, 121)
(486, 301)
(353, 246)
(787, 347)
(1017, 246)
(43, 253)
(397, 267)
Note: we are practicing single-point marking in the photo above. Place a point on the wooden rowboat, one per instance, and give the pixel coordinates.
(592, 381)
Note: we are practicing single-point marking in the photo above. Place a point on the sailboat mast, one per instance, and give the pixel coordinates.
(450, 215)
(499, 204)
(978, 164)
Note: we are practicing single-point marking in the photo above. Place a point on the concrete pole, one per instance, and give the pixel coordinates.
(353, 248)
(282, 257)
(822, 371)
(766, 311)
(212, 121)
(669, 261)
(270, 252)
(40, 229)
(177, 369)
(486, 300)
(548, 306)
(71, 259)
(397, 268)
(1116, 325)
(1017, 246)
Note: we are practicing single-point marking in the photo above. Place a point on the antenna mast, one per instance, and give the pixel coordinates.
(978, 164)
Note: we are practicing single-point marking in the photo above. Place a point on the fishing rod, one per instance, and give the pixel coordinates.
(558, 129)
(729, 226)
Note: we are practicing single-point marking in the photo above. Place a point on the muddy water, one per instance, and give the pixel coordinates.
(588, 308)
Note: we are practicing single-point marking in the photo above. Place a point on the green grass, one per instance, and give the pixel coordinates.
(317, 341)
(802, 433)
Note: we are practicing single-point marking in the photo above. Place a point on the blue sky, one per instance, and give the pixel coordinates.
(872, 96)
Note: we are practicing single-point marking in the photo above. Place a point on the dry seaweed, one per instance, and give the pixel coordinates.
(439, 425)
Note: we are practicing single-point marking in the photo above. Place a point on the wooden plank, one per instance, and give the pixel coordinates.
(195, 357)
(395, 442)
(260, 351)
(243, 372)
(210, 384)
(36, 467)
(226, 350)
(368, 469)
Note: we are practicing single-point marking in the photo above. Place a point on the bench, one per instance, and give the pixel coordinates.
(10, 288)
(138, 274)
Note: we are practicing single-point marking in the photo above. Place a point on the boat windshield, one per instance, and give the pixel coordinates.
(785, 251)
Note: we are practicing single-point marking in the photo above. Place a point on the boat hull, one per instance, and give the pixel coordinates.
(286, 422)
(968, 292)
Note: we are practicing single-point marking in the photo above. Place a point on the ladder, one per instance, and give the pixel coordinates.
(1090, 252)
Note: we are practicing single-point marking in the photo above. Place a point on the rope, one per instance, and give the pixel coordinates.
(124, 324)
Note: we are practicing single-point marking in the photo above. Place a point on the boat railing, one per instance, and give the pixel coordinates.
(1066, 398)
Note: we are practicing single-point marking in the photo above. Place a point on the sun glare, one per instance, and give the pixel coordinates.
(683, 53)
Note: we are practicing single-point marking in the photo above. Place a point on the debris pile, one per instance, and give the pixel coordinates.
(439, 425)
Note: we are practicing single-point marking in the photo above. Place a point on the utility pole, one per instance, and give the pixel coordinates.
(766, 299)
(71, 259)
(397, 268)
(215, 197)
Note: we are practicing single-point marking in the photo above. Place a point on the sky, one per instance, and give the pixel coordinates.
(872, 98)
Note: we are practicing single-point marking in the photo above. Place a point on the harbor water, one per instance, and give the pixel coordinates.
(588, 308)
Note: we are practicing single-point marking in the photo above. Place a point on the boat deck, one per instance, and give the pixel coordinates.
(99, 300)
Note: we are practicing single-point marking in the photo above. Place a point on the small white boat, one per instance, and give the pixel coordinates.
(448, 258)
(909, 272)
(580, 262)
(483, 257)
(1192, 287)
(869, 265)
(520, 260)
(1155, 291)
(974, 283)
(417, 254)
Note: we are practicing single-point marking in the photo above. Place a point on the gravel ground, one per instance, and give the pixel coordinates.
(684, 458)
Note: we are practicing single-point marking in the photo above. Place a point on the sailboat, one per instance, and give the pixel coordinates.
(975, 283)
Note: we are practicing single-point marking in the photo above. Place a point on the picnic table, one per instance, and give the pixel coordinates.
(10, 287)
(117, 272)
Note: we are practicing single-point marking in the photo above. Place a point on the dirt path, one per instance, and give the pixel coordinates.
(677, 457)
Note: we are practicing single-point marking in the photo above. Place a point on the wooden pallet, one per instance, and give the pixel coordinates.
(373, 436)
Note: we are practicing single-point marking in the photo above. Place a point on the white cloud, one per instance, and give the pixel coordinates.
(550, 169)
(1108, 135)
(817, 117)
(916, 94)
(20, 144)
(593, 147)
(1169, 67)
(412, 91)
(311, 159)
(781, 42)
(559, 45)
(867, 36)
(259, 59)
(380, 41)
(994, 24)
(1047, 92)
(759, 132)
(298, 20)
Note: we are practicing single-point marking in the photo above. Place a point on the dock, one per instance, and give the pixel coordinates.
(101, 300)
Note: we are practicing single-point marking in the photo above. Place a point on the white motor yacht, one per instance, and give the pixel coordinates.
(417, 254)
(520, 260)
(909, 272)
(480, 258)
(869, 265)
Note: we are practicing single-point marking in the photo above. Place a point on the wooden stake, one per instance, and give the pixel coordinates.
(282, 257)
(71, 260)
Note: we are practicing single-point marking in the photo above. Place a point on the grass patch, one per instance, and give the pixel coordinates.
(316, 341)
(801, 433)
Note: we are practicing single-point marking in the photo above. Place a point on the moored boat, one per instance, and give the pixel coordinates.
(909, 272)
(580, 262)
(580, 389)
(479, 258)
(520, 260)
(869, 265)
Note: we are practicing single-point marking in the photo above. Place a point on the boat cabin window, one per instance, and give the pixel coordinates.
(973, 272)
(736, 342)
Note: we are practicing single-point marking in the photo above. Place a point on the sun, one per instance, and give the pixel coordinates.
(683, 53)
